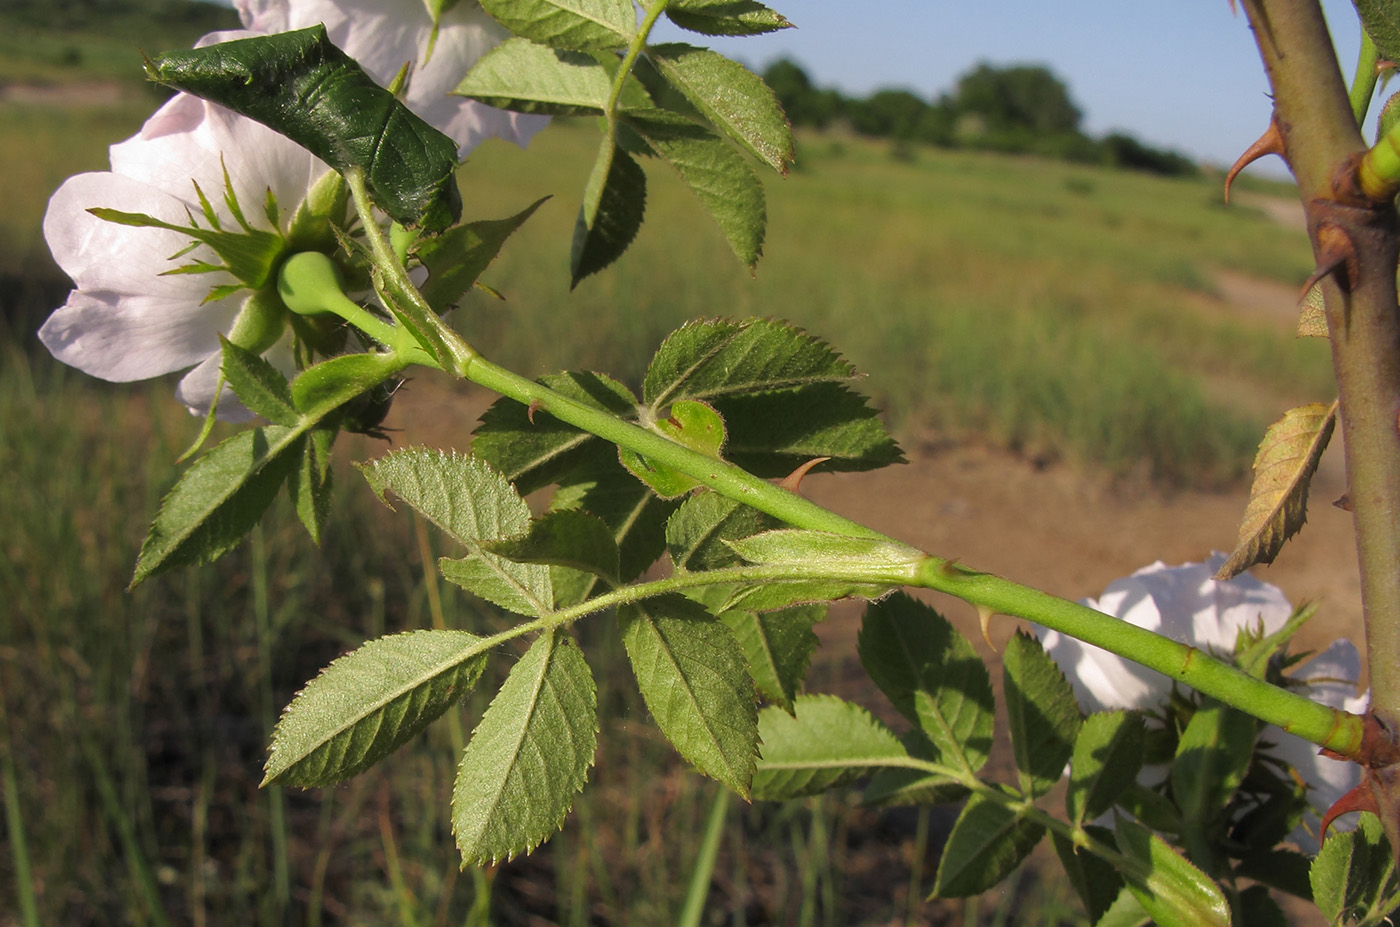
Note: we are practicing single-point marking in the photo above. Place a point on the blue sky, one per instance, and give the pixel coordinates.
(1183, 74)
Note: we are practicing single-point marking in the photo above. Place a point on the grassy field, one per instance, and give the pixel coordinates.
(1065, 311)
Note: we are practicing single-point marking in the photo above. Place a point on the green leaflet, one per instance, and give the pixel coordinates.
(528, 78)
(691, 424)
(910, 786)
(1381, 19)
(826, 743)
(1041, 712)
(473, 503)
(302, 86)
(1353, 876)
(717, 175)
(258, 385)
(568, 538)
(696, 534)
(835, 567)
(725, 17)
(311, 486)
(370, 702)
(731, 97)
(1107, 757)
(635, 514)
(777, 646)
(1212, 758)
(692, 676)
(932, 675)
(529, 756)
(1283, 469)
(456, 258)
(988, 841)
(583, 24)
(1095, 880)
(1174, 892)
(614, 201)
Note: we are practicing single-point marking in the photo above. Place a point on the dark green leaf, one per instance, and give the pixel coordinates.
(456, 258)
(1174, 892)
(773, 433)
(534, 453)
(696, 533)
(1280, 869)
(1096, 882)
(599, 24)
(614, 200)
(825, 744)
(1257, 908)
(717, 175)
(733, 98)
(725, 17)
(567, 538)
(1381, 19)
(529, 756)
(311, 488)
(635, 515)
(258, 385)
(932, 675)
(692, 676)
(1212, 758)
(370, 702)
(908, 786)
(1353, 876)
(219, 499)
(778, 646)
(302, 86)
(988, 841)
(528, 78)
(1107, 757)
(1041, 712)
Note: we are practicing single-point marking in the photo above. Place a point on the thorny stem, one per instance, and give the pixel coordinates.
(1355, 234)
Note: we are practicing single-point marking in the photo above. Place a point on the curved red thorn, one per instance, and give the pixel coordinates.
(1358, 799)
(1271, 142)
(530, 411)
(793, 481)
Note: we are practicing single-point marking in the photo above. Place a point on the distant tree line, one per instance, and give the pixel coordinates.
(1023, 109)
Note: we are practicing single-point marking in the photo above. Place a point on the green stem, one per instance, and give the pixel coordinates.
(634, 50)
(1363, 82)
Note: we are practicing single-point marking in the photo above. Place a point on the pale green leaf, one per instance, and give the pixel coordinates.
(692, 676)
(1041, 712)
(690, 423)
(598, 24)
(1312, 317)
(778, 646)
(717, 175)
(1212, 756)
(725, 17)
(320, 389)
(472, 503)
(528, 78)
(1107, 757)
(1126, 911)
(826, 552)
(1353, 877)
(457, 257)
(529, 756)
(614, 201)
(1172, 890)
(988, 841)
(733, 98)
(932, 675)
(368, 703)
(774, 595)
(826, 743)
(696, 533)
(1278, 500)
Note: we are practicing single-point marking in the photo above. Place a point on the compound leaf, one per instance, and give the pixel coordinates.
(824, 743)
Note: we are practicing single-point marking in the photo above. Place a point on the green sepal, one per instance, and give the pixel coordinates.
(257, 384)
(734, 99)
(301, 85)
(932, 675)
(693, 678)
(529, 756)
(577, 24)
(725, 17)
(250, 254)
(370, 702)
(988, 841)
(521, 76)
(614, 201)
(826, 743)
(457, 257)
(1041, 712)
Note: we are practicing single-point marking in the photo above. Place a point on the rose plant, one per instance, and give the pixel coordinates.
(314, 273)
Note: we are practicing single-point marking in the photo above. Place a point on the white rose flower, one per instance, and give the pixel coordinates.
(1187, 604)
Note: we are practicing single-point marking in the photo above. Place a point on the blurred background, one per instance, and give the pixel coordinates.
(1078, 343)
